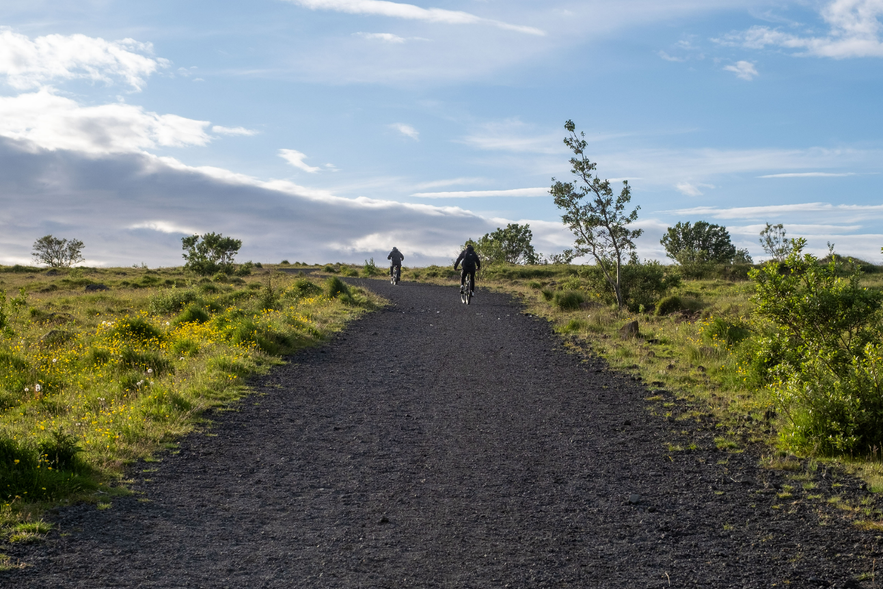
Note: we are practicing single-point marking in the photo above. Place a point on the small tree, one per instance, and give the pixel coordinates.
(698, 243)
(565, 257)
(596, 217)
(210, 253)
(774, 242)
(511, 245)
(58, 253)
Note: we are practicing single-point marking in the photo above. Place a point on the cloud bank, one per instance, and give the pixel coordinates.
(28, 64)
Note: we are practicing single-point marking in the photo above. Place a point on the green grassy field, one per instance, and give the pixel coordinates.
(102, 367)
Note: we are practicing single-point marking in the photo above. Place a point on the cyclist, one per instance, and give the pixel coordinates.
(395, 257)
(471, 262)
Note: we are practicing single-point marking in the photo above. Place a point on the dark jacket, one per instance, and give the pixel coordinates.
(470, 260)
(396, 257)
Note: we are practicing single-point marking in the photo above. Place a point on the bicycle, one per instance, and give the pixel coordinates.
(466, 293)
(395, 274)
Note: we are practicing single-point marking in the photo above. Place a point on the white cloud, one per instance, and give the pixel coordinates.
(514, 135)
(775, 211)
(406, 130)
(668, 57)
(743, 69)
(689, 189)
(671, 166)
(809, 175)
(29, 64)
(56, 122)
(233, 130)
(165, 227)
(855, 31)
(542, 191)
(449, 182)
(384, 37)
(410, 12)
(296, 159)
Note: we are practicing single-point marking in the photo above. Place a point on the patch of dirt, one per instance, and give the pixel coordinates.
(434, 444)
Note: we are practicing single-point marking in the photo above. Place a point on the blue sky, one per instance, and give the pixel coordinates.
(331, 130)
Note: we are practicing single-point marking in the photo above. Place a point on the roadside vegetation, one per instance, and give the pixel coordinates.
(102, 367)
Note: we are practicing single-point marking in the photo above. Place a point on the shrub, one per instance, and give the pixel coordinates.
(61, 451)
(171, 300)
(25, 472)
(185, 347)
(720, 330)
(642, 284)
(835, 413)
(138, 329)
(370, 269)
(194, 313)
(330, 269)
(670, 304)
(334, 287)
(826, 328)
(303, 287)
(568, 300)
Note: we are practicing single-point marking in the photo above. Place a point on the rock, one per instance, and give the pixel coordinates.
(634, 498)
(630, 329)
(55, 337)
(96, 287)
(52, 273)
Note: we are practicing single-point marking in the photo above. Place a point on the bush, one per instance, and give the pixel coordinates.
(330, 269)
(303, 287)
(642, 284)
(822, 353)
(137, 329)
(370, 269)
(835, 413)
(335, 287)
(171, 300)
(668, 305)
(49, 471)
(720, 330)
(194, 313)
(569, 300)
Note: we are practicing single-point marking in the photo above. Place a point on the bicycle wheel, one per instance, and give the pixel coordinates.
(468, 294)
(463, 291)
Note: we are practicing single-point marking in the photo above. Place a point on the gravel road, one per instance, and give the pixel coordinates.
(434, 444)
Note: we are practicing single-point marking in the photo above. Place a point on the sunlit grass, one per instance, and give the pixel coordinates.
(91, 382)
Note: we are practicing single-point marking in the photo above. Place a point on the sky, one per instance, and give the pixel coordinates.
(332, 130)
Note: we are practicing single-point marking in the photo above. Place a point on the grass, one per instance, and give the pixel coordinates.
(92, 381)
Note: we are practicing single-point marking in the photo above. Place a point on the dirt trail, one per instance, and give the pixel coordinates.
(438, 445)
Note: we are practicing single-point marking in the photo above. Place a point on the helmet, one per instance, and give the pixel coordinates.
(469, 247)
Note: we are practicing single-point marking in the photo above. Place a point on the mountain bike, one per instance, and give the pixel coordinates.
(395, 274)
(466, 294)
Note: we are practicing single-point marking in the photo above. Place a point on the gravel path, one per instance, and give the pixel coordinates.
(438, 445)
